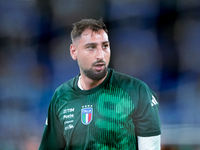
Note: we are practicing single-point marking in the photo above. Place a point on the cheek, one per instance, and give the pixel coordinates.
(107, 57)
(83, 62)
(85, 58)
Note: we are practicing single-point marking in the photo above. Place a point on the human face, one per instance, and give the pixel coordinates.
(92, 51)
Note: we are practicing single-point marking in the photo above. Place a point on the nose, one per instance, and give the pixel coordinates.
(100, 53)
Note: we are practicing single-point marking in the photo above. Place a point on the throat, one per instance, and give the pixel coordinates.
(87, 84)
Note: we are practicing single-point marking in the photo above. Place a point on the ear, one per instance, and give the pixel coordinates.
(73, 51)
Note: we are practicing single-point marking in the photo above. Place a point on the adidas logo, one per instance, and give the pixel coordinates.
(153, 101)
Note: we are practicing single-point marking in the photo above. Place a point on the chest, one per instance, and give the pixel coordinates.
(97, 118)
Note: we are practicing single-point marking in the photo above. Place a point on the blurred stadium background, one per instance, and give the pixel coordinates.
(157, 41)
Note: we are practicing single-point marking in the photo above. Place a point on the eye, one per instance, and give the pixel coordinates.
(105, 46)
(90, 47)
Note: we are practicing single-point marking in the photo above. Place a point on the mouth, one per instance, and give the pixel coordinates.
(99, 66)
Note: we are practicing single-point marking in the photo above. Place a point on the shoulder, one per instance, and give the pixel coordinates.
(133, 86)
(63, 89)
(121, 79)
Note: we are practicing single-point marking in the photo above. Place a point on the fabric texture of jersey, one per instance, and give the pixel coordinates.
(109, 116)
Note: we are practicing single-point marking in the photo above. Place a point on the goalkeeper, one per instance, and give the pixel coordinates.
(100, 108)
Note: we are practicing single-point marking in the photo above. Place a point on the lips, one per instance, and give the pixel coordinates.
(99, 66)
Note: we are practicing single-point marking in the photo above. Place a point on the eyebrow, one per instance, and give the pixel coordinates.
(106, 42)
(88, 44)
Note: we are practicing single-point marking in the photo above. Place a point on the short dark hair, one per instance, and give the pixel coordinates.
(94, 25)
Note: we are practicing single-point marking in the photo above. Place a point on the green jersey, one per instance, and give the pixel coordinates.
(107, 117)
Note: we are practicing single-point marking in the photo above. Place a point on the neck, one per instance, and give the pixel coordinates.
(87, 83)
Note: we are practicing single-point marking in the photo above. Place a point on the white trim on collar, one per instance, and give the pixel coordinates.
(79, 83)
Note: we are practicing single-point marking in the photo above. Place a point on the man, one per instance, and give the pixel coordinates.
(100, 108)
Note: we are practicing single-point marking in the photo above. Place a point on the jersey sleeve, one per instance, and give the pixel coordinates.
(149, 143)
(146, 116)
(52, 138)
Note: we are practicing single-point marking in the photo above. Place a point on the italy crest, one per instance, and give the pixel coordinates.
(86, 115)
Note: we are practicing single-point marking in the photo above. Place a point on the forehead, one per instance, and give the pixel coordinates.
(88, 34)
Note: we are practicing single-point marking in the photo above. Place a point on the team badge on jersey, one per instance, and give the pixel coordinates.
(86, 115)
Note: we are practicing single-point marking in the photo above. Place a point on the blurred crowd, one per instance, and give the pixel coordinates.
(156, 41)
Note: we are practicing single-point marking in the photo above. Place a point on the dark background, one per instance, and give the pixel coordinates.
(157, 41)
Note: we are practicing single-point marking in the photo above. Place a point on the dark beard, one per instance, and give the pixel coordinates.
(95, 75)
